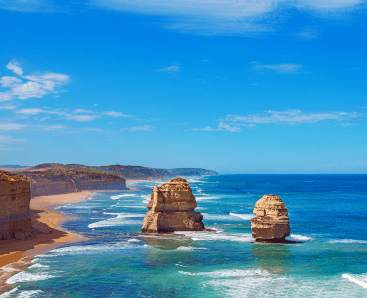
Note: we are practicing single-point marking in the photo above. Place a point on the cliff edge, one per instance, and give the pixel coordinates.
(61, 180)
(15, 196)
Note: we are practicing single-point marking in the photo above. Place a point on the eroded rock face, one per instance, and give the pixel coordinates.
(271, 222)
(171, 208)
(15, 196)
(62, 180)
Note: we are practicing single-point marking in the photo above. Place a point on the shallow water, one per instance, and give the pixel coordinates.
(328, 217)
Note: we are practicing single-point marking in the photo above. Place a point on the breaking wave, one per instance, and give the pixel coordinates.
(347, 241)
(357, 280)
(243, 216)
(121, 219)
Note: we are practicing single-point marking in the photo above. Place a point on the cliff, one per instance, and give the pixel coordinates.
(171, 208)
(15, 220)
(59, 180)
(271, 222)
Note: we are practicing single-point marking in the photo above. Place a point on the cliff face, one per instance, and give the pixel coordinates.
(15, 220)
(271, 222)
(62, 180)
(171, 208)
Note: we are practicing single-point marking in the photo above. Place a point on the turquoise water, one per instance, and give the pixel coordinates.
(327, 215)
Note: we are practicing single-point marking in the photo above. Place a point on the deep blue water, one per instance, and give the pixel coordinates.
(328, 216)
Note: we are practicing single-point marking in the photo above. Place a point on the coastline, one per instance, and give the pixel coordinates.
(46, 220)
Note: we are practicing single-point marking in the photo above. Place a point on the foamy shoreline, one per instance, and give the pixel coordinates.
(17, 254)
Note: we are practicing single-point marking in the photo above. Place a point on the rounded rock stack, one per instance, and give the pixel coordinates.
(271, 223)
(171, 208)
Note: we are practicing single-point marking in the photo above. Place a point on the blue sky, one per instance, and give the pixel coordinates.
(246, 86)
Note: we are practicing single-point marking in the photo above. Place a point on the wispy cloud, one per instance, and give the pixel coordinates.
(11, 126)
(225, 17)
(83, 111)
(8, 107)
(291, 117)
(35, 111)
(77, 114)
(10, 139)
(115, 114)
(81, 117)
(221, 127)
(280, 68)
(140, 128)
(173, 68)
(24, 87)
(27, 5)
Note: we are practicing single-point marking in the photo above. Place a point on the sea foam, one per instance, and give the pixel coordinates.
(26, 277)
(121, 219)
(299, 238)
(243, 216)
(213, 236)
(356, 280)
(229, 273)
(123, 196)
(349, 241)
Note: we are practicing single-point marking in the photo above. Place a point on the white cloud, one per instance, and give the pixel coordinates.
(280, 68)
(82, 117)
(291, 117)
(24, 87)
(51, 127)
(225, 17)
(221, 127)
(35, 111)
(11, 126)
(115, 114)
(14, 66)
(8, 107)
(139, 128)
(27, 5)
(9, 139)
(82, 111)
(173, 68)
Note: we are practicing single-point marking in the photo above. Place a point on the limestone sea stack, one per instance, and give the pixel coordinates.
(171, 208)
(15, 196)
(271, 222)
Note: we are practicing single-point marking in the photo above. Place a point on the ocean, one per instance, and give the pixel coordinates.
(328, 217)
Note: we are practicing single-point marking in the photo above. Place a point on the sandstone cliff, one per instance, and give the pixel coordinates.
(60, 180)
(171, 208)
(15, 220)
(271, 222)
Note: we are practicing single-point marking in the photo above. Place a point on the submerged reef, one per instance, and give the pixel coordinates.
(171, 208)
(271, 223)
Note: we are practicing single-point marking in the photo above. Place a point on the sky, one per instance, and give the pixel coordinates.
(251, 86)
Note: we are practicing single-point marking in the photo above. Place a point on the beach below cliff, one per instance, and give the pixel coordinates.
(45, 220)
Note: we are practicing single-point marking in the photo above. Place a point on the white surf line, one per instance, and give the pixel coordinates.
(355, 280)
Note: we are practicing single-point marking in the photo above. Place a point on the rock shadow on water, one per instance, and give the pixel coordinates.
(272, 258)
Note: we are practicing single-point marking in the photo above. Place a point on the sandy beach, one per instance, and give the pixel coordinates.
(46, 220)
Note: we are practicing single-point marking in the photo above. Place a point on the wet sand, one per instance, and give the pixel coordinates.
(46, 221)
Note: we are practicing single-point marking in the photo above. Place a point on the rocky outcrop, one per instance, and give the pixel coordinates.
(62, 180)
(171, 208)
(15, 219)
(271, 222)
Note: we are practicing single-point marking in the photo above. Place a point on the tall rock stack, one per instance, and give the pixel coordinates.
(271, 222)
(15, 196)
(171, 208)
